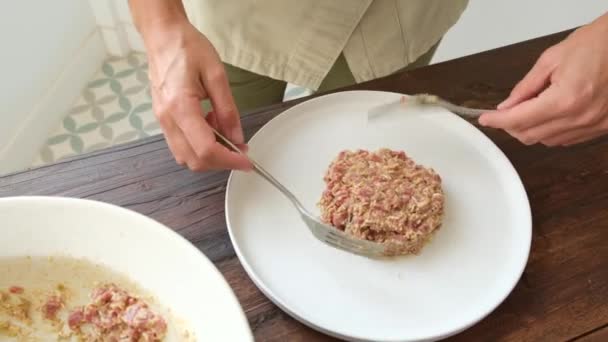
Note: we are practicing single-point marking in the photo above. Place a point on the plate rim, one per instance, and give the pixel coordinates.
(526, 210)
(168, 233)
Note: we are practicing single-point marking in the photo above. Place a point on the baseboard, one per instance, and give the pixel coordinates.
(134, 39)
(46, 115)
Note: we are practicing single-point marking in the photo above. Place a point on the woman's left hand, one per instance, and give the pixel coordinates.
(563, 100)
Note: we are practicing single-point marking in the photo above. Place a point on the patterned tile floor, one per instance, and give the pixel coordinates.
(114, 108)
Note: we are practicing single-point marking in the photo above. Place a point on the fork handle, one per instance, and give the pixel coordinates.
(460, 110)
(262, 172)
(436, 100)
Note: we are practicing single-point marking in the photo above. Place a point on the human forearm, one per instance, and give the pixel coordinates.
(150, 16)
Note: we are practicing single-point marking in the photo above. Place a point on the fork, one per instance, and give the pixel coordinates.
(429, 99)
(424, 100)
(323, 232)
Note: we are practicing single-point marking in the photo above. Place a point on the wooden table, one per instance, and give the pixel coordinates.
(563, 294)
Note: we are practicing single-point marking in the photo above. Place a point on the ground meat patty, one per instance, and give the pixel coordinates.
(385, 197)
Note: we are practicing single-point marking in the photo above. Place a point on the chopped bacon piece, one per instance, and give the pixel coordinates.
(76, 318)
(51, 307)
(16, 289)
(113, 312)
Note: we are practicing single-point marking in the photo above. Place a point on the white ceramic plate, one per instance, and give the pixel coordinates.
(150, 254)
(468, 269)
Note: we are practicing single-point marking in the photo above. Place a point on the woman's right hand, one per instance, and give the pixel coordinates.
(185, 69)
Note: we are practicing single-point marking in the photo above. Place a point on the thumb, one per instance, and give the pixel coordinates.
(226, 113)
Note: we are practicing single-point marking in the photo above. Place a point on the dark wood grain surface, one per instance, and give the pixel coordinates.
(563, 294)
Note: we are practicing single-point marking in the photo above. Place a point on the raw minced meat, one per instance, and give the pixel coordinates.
(115, 315)
(112, 315)
(61, 298)
(385, 197)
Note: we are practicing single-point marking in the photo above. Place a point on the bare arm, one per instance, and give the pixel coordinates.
(150, 13)
(185, 69)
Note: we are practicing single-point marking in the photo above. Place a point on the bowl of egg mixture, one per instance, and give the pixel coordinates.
(73, 269)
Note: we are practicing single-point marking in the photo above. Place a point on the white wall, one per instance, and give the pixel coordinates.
(114, 20)
(487, 24)
(49, 51)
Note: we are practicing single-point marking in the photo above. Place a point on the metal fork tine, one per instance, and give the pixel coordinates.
(353, 241)
(350, 250)
(321, 231)
(428, 99)
(362, 246)
(338, 238)
(338, 246)
(346, 243)
(333, 240)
